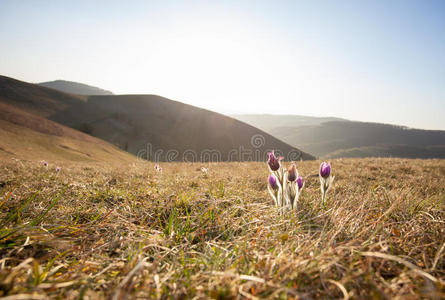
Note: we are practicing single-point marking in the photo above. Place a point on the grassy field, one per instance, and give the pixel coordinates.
(95, 231)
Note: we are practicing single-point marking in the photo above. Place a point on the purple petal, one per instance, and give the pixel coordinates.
(300, 182)
(325, 169)
(273, 182)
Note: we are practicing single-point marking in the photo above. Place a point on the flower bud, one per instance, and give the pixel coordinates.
(292, 173)
(325, 169)
(273, 162)
(273, 182)
(58, 169)
(300, 182)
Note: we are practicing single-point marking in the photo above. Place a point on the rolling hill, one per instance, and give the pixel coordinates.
(72, 87)
(148, 126)
(26, 133)
(28, 136)
(267, 122)
(361, 139)
(330, 137)
(157, 128)
(32, 98)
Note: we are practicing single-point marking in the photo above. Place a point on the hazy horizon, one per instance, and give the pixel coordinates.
(376, 62)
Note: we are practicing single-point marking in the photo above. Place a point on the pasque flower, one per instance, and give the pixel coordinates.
(300, 182)
(284, 184)
(292, 172)
(273, 161)
(275, 190)
(291, 186)
(273, 182)
(326, 180)
(325, 169)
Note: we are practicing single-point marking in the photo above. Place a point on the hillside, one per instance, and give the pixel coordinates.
(27, 136)
(35, 99)
(23, 143)
(157, 128)
(149, 126)
(360, 139)
(268, 122)
(26, 133)
(334, 137)
(72, 87)
(392, 151)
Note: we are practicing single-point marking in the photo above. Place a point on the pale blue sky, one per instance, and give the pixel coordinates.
(381, 61)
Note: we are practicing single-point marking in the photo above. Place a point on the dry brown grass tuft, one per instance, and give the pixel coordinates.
(95, 231)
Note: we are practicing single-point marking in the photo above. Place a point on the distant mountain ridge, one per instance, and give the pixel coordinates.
(26, 133)
(149, 126)
(36, 99)
(157, 128)
(268, 122)
(72, 87)
(333, 138)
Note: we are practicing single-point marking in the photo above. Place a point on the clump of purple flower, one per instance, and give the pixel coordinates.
(284, 185)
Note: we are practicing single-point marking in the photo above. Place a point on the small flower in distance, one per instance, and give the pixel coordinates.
(58, 169)
(292, 172)
(273, 182)
(300, 182)
(45, 164)
(325, 169)
(158, 168)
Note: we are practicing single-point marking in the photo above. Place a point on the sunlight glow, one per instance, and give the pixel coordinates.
(231, 57)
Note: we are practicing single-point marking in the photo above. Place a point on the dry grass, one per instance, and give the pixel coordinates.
(95, 231)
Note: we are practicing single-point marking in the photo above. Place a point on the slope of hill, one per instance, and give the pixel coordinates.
(149, 126)
(157, 128)
(25, 132)
(72, 87)
(268, 122)
(33, 98)
(27, 136)
(25, 143)
(405, 151)
(360, 139)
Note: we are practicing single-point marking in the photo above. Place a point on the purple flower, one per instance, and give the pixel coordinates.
(300, 182)
(325, 169)
(58, 169)
(292, 173)
(45, 164)
(274, 162)
(273, 182)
